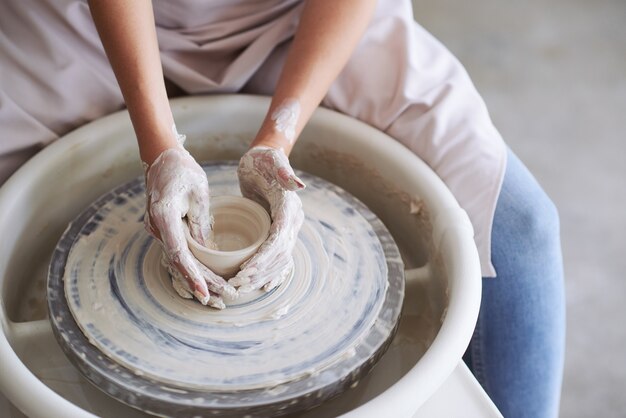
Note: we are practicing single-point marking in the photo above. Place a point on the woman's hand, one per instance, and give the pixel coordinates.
(177, 190)
(327, 33)
(266, 177)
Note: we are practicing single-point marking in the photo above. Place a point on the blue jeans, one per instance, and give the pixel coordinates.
(517, 349)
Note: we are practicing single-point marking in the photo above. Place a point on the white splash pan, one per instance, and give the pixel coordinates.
(432, 231)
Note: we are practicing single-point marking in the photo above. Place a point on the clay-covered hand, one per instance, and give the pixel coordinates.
(177, 191)
(266, 176)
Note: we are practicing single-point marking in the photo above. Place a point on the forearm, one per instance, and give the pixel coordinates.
(327, 34)
(128, 35)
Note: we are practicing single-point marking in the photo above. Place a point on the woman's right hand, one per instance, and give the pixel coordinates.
(177, 191)
(266, 176)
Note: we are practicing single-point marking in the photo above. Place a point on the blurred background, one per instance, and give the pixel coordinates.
(553, 75)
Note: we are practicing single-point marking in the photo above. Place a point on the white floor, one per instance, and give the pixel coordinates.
(554, 77)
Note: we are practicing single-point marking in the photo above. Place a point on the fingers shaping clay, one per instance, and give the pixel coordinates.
(240, 227)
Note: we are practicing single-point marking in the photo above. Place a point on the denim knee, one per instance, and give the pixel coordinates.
(519, 340)
(526, 223)
(538, 221)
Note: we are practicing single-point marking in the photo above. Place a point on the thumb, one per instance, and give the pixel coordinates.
(288, 179)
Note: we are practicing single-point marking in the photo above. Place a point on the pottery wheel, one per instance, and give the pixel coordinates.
(121, 323)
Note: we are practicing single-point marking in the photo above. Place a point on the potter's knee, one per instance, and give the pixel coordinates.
(536, 221)
(543, 220)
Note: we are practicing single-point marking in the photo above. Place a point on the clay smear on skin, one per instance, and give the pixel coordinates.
(285, 118)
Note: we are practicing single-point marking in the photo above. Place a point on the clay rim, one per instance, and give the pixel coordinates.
(241, 203)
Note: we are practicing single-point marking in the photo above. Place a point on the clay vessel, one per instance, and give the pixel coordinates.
(240, 227)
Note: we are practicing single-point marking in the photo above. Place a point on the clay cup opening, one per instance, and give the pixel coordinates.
(240, 227)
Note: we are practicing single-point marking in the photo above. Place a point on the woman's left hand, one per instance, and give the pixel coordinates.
(266, 176)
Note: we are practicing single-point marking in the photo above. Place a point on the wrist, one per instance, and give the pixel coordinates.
(151, 148)
(281, 125)
(271, 140)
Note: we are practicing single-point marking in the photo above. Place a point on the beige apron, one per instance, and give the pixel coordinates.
(54, 77)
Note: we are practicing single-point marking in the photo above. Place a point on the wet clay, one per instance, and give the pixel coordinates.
(331, 313)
